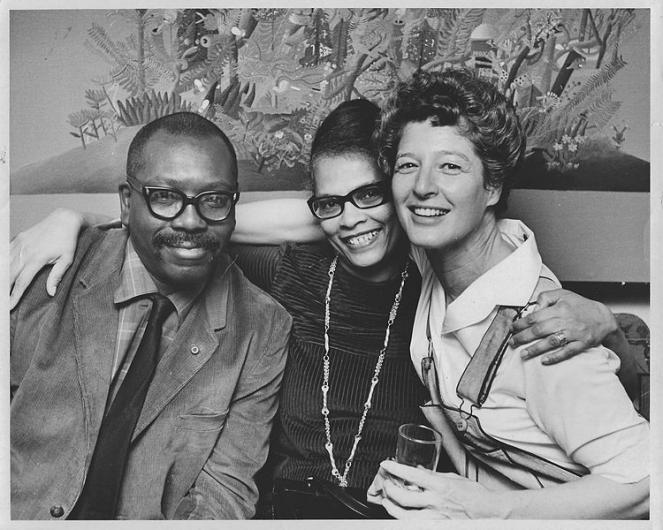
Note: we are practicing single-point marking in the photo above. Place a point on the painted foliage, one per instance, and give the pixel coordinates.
(269, 76)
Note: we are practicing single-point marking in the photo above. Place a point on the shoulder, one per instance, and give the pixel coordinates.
(547, 281)
(595, 366)
(303, 265)
(250, 300)
(584, 408)
(97, 246)
(92, 245)
(304, 255)
(258, 322)
(562, 392)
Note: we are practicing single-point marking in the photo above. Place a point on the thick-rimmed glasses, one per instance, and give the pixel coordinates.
(367, 196)
(167, 203)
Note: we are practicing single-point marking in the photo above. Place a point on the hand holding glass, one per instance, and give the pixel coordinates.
(418, 446)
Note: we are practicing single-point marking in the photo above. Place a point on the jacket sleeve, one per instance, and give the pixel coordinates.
(225, 488)
(36, 307)
(25, 323)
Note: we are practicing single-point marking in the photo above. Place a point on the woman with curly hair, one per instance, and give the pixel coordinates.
(529, 441)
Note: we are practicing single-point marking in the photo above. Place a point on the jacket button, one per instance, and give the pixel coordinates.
(57, 511)
(195, 350)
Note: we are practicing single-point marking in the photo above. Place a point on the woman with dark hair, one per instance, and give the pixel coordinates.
(531, 441)
(348, 383)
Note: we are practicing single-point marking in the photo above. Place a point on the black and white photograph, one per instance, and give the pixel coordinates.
(374, 266)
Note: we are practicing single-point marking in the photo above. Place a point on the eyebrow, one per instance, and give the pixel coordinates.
(172, 183)
(351, 191)
(440, 152)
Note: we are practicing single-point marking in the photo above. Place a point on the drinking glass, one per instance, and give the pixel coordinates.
(418, 445)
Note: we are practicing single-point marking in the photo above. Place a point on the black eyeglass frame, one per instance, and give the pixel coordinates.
(186, 200)
(383, 186)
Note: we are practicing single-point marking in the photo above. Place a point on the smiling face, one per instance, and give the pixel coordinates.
(179, 253)
(438, 187)
(365, 239)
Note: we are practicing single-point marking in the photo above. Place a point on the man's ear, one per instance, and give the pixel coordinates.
(124, 192)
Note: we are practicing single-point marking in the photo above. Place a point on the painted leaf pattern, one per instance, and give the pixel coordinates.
(271, 75)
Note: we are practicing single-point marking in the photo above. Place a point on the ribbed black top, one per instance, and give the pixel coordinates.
(297, 276)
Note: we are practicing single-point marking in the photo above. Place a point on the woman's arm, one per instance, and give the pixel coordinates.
(275, 221)
(584, 324)
(447, 495)
(51, 241)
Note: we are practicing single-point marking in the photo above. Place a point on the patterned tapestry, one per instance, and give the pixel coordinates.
(268, 77)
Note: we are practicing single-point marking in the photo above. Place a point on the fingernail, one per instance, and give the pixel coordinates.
(546, 360)
(524, 354)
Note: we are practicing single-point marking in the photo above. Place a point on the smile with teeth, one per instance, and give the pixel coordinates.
(361, 240)
(429, 212)
(185, 244)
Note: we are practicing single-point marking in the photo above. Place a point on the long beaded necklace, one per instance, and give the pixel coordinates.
(329, 446)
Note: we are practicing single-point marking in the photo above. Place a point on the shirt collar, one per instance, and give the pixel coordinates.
(511, 282)
(136, 281)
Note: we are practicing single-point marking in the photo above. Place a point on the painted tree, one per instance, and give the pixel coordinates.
(268, 76)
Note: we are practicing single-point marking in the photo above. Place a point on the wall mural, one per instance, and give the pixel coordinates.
(268, 77)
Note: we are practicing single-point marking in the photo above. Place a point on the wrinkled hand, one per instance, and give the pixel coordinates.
(51, 241)
(583, 324)
(431, 495)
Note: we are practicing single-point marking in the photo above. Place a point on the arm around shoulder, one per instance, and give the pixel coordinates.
(51, 241)
(275, 221)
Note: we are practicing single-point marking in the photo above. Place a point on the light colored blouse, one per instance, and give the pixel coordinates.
(575, 413)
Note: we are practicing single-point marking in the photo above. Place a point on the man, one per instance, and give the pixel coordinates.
(101, 429)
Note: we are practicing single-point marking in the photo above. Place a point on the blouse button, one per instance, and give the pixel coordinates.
(461, 425)
(195, 350)
(57, 511)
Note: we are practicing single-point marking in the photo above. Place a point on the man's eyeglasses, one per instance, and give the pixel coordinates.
(167, 203)
(363, 197)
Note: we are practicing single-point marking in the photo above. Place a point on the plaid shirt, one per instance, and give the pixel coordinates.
(135, 282)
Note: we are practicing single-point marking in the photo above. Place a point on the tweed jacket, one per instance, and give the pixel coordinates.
(204, 429)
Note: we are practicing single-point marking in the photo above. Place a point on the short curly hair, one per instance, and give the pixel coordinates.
(457, 97)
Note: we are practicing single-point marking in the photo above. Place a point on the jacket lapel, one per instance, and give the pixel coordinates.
(178, 366)
(95, 324)
(202, 329)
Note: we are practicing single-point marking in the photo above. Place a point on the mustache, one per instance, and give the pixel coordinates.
(205, 241)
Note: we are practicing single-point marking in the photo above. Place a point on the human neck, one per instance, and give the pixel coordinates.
(189, 289)
(457, 266)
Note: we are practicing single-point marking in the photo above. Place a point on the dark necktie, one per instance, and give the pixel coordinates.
(101, 491)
